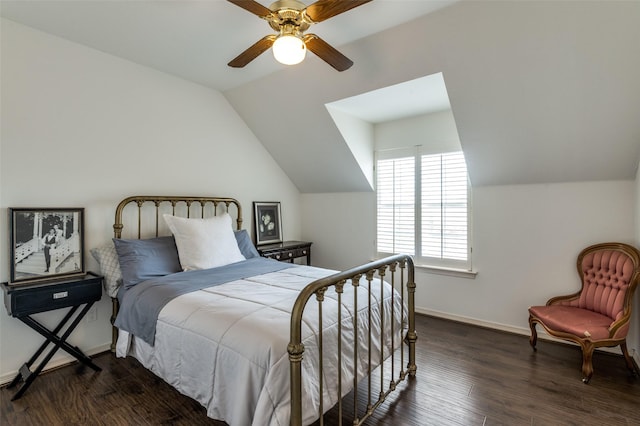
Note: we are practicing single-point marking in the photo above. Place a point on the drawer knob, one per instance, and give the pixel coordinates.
(304, 252)
(290, 254)
(277, 256)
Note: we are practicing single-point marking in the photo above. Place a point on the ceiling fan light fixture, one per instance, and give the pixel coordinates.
(290, 19)
(289, 49)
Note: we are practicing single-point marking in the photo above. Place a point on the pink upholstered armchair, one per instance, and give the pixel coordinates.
(600, 313)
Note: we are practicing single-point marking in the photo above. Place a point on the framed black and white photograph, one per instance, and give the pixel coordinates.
(46, 243)
(267, 222)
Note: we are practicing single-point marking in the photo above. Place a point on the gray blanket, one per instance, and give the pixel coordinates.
(141, 304)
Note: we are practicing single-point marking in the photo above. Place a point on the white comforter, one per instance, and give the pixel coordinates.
(226, 346)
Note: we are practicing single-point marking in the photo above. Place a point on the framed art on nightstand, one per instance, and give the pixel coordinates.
(267, 222)
(46, 243)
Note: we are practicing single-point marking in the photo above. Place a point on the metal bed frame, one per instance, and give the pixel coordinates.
(398, 269)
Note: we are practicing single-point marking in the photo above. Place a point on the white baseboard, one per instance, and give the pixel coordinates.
(474, 321)
(525, 331)
(56, 363)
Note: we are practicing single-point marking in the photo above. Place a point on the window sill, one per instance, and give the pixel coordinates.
(452, 272)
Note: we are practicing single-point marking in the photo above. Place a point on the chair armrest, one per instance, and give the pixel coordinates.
(622, 321)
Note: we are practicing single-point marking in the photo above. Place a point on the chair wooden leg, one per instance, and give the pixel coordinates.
(533, 339)
(630, 364)
(587, 361)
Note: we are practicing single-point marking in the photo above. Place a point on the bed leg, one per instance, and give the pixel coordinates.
(295, 359)
(412, 336)
(114, 331)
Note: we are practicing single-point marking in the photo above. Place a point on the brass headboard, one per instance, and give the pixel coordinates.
(149, 209)
(177, 206)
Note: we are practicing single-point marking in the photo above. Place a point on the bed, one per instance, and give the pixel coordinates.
(253, 340)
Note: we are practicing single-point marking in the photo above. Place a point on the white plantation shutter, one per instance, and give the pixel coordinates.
(444, 206)
(436, 231)
(396, 205)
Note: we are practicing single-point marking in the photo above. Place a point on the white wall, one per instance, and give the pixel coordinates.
(526, 240)
(634, 332)
(358, 135)
(437, 133)
(341, 227)
(84, 129)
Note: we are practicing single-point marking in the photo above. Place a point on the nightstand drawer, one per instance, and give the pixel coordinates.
(284, 255)
(288, 254)
(275, 256)
(21, 300)
(299, 252)
(287, 251)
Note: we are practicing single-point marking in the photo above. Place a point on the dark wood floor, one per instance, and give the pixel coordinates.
(466, 376)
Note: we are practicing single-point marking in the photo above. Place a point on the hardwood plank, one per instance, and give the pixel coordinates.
(467, 375)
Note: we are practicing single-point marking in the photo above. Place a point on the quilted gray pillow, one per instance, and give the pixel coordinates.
(109, 267)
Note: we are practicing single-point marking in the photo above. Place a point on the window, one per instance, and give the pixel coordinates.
(423, 207)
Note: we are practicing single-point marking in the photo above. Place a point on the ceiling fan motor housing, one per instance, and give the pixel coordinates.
(288, 12)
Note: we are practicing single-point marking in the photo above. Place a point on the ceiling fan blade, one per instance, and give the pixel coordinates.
(253, 52)
(325, 9)
(253, 7)
(327, 53)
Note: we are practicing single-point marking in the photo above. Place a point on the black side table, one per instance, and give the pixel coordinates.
(22, 301)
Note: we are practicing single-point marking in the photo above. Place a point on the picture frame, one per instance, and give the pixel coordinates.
(267, 222)
(45, 244)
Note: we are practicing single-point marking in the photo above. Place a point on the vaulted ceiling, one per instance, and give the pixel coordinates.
(541, 91)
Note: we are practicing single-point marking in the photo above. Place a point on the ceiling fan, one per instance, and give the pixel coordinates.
(291, 18)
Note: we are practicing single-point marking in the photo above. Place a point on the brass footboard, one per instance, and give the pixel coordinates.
(401, 265)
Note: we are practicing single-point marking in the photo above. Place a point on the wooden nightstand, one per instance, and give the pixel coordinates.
(287, 251)
(22, 301)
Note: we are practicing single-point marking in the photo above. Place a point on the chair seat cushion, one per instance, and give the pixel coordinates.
(582, 323)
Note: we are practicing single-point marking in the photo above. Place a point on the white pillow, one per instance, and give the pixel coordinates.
(204, 243)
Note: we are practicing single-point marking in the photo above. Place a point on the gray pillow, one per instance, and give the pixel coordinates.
(141, 260)
(245, 244)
